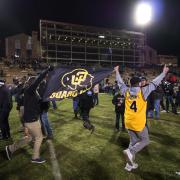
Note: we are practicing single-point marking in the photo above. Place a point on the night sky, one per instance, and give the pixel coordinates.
(163, 33)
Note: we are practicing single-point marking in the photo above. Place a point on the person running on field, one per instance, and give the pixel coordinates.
(135, 114)
(31, 118)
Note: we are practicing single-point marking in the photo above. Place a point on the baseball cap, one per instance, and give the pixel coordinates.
(143, 78)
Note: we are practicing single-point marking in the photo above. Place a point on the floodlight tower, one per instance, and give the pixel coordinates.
(143, 17)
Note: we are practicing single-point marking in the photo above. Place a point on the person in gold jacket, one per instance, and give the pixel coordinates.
(135, 113)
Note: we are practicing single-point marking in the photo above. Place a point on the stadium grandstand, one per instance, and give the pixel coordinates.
(64, 43)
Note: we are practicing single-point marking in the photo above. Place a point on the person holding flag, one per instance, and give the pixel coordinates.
(135, 113)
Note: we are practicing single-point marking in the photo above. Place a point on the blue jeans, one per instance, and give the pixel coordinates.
(157, 107)
(118, 114)
(169, 99)
(45, 123)
(54, 104)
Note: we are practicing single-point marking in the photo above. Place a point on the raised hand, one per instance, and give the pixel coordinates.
(165, 69)
(116, 68)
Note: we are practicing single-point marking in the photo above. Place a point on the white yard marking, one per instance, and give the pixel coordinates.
(54, 161)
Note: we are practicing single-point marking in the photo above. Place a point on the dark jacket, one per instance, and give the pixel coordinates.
(150, 102)
(168, 89)
(32, 100)
(44, 105)
(18, 93)
(5, 101)
(178, 98)
(86, 100)
(119, 102)
(158, 93)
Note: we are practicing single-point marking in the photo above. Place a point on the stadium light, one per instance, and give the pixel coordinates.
(101, 36)
(143, 13)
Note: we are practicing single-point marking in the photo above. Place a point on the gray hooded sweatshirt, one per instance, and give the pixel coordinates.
(134, 90)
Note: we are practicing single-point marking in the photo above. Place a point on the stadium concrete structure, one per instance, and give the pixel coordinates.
(166, 59)
(77, 44)
(64, 43)
(22, 46)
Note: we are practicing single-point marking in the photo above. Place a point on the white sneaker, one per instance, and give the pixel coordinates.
(163, 111)
(129, 156)
(129, 168)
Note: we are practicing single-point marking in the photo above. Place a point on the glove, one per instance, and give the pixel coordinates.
(50, 68)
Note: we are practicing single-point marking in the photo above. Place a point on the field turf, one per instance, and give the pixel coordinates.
(97, 156)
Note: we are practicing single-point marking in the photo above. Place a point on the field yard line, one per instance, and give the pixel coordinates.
(54, 162)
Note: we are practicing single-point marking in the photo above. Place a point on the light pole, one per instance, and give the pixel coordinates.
(142, 17)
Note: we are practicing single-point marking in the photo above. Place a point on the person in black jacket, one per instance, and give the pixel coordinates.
(5, 108)
(169, 93)
(85, 104)
(31, 119)
(119, 102)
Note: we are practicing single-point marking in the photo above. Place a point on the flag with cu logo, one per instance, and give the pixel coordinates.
(69, 82)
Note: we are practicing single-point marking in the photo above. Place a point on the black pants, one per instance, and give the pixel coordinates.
(118, 115)
(4, 124)
(162, 104)
(85, 116)
(96, 99)
(169, 99)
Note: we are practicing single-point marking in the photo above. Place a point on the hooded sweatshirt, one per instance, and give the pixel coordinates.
(135, 111)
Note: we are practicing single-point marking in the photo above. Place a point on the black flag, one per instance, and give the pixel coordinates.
(69, 82)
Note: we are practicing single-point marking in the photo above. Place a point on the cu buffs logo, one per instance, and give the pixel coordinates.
(77, 78)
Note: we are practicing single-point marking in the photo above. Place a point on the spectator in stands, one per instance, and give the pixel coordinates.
(135, 114)
(5, 108)
(31, 119)
(119, 102)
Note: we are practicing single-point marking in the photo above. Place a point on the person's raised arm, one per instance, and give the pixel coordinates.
(36, 83)
(154, 83)
(120, 82)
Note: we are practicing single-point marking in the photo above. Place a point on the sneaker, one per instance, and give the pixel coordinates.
(92, 129)
(163, 111)
(129, 156)
(8, 153)
(38, 160)
(129, 167)
(49, 137)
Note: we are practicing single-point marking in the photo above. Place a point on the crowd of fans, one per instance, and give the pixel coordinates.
(35, 64)
(28, 93)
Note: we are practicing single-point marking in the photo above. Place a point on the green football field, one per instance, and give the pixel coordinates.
(75, 154)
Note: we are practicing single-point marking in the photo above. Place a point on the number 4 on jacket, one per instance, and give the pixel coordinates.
(133, 106)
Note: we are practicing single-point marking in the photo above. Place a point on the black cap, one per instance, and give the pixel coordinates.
(135, 80)
(143, 78)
